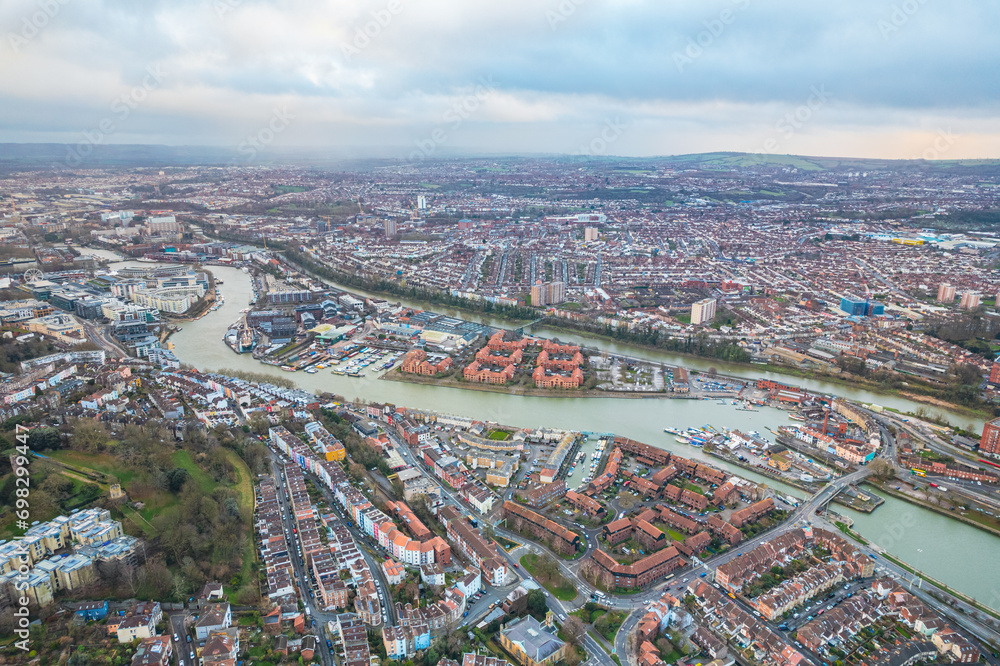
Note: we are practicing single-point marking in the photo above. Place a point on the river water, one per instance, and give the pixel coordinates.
(948, 550)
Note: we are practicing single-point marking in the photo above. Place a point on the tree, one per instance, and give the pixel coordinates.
(89, 435)
(573, 630)
(881, 469)
(176, 478)
(546, 566)
(537, 605)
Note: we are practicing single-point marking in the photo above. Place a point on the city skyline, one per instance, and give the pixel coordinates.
(629, 78)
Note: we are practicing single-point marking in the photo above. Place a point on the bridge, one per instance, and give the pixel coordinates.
(520, 329)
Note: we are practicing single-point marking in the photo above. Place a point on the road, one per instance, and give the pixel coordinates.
(183, 649)
(96, 335)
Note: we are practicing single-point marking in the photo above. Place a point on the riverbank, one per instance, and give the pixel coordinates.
(395, 375)
(836, 378)
(932, 507)
(852, 382)
(920, 574)
(849, 502)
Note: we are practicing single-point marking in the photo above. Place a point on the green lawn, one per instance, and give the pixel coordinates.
(198, 475)
(669, 531)
(561, 588)
(100, 462)
(498, 435)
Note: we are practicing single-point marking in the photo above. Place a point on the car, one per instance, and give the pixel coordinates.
(188, 637)
(810, 618)
(177, 638)
(516, 565)
(191, 655)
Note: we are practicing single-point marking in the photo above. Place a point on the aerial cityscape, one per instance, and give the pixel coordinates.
(544, 334)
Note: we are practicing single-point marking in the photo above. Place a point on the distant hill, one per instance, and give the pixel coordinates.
(57, 155)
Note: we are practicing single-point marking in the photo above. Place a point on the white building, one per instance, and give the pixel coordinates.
(703, 311)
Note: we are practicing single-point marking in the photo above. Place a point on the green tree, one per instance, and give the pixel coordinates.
(537, 604)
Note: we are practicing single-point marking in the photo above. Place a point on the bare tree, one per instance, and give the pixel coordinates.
(573, 630)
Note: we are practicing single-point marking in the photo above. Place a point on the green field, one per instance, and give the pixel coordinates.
(498, 435)
(669, 531)
(561, 588)
(99, 462)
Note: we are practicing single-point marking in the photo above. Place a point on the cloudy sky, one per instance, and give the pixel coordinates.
(867, 78)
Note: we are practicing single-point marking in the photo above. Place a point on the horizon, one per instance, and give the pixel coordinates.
(628, 78)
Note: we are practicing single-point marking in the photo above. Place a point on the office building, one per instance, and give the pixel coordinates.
(860, 307)
(703, 311)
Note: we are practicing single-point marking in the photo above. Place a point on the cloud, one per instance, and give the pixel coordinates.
(687, 75)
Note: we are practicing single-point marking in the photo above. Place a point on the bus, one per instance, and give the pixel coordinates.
(918, 471)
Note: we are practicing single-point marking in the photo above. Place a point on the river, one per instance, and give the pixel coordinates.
(948, 550)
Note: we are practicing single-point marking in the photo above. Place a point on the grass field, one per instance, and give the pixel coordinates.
(244, 486)
(672, 533)
(100, 462)
(498, 435)
(561, 588)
